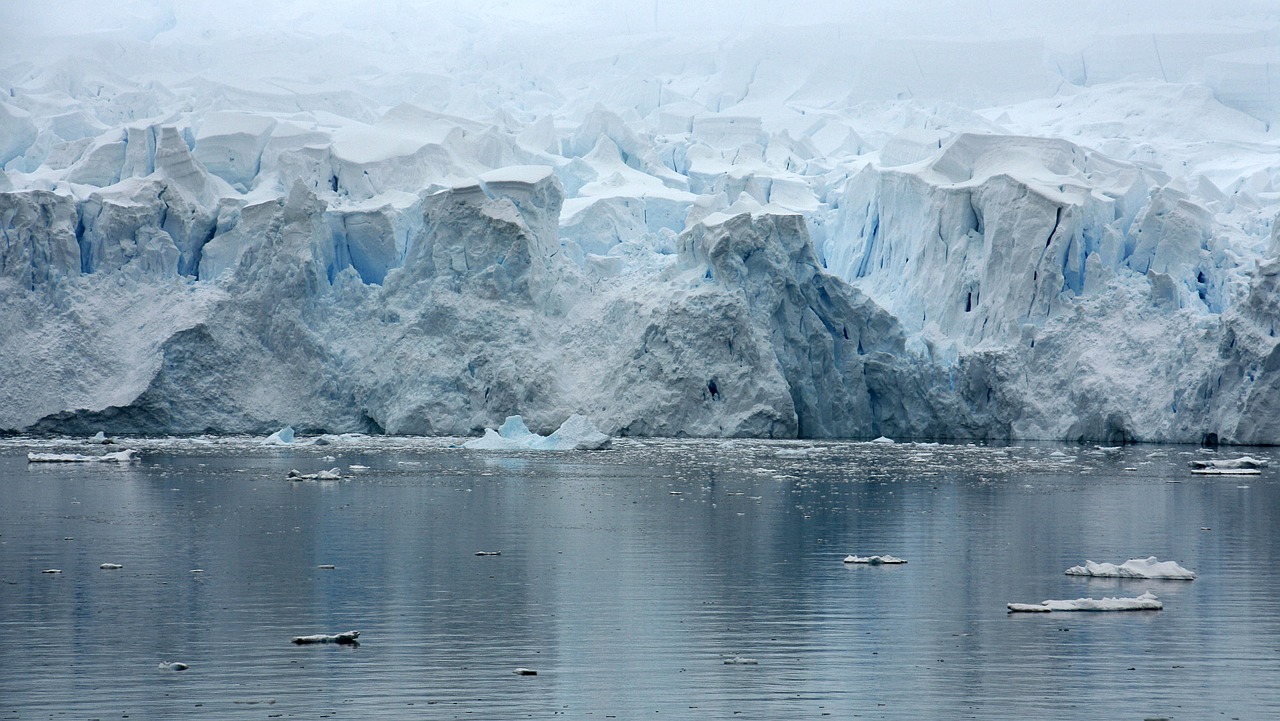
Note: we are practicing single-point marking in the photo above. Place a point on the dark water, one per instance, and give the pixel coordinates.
(627, 597)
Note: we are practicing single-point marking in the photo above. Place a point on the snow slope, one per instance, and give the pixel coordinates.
(947, 220)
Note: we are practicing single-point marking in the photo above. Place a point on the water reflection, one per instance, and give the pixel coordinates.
(626, 578)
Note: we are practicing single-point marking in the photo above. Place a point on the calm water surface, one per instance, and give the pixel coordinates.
(627, 578)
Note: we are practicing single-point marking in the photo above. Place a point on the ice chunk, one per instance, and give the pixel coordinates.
(1226, 471)
(1148, 567)
(883, 441)
(875, 560)
(740, 661)
(577, 433)
(346, 638)
(1243, 462)
(333, 474)
(111, 566)
(173, 666)
(525, 672)
(129, 454)
(1145, 602)
(101, 437)
(282, 437)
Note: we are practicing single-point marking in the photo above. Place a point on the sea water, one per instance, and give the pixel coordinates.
(628, 578)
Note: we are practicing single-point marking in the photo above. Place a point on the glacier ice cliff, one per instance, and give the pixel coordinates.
(683, 232)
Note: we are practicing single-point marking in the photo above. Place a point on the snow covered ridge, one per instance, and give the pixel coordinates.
(691, 232)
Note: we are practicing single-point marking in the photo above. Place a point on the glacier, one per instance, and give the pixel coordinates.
(944, 222)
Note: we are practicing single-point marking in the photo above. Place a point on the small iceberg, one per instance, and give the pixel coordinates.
(111, 566)
(282, 437)
(347, 638)
(101, 438)
(1145, 602)
(173, 666)
(1145, 568)
(124, 456)
(577, 433)
(333, 474)
(883, 440)
(522, 671)
(741, 661)
(875, 560)
(1231, 464)
(1226, 471)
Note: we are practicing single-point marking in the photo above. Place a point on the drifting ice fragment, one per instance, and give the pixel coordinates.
(875, 560)
(346, 637)
(883, 440)
(333, 474)
(1226, 471)
(173, 666)
(52, 570)
(102, 438)
(1243, 462)
(525, 672)
(111, 566)
(1148, 567)
(488, 553)
(741, 661)
(1145, 602)
(282, 437)
(576, 434)
(326, 567)
(117, 457)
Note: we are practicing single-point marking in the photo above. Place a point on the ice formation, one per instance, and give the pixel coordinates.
(575, 434)
(1245, 463)
(874, 560)
(1149, 567)
(945, 220)
(1145, 602)
(124, 456)
(348, 638)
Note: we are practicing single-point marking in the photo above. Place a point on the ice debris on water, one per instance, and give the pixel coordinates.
(129, 454)
(740, 661)
(1146, 568)
(577, 433)
(522, 671)
(488, 553)
(1145, 602)
(52, 570)
(347, 638)
(883, 440)
(173, 666)
(327, 567)
(1241, 463)
(333, 474)
(101, 438)
(111, 566)
(885, 560)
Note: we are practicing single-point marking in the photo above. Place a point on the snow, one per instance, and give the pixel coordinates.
(1149, 567)
(965, 220)
(575, 434)
(1144, 602)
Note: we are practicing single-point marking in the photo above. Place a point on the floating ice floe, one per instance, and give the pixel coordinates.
(1145, 602)
(52, 570)
(884, 440)
(327, 567)
(128, 454)
(111, 566)
(101, 437)
(173, 666)
(1226, 471)
(282, 437)
(522, 671)
(577, 433)
(1231, 464)
(346, 638)
(1149, 567)
(488, 553)
(875, 560)
(740, 661)
(333, 474)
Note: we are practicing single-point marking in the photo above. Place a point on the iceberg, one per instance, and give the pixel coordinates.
(1149, 567)
(874, 560)
(576, 434)
(282, 437)
(1229, 464)
(347, 638)
(1145, 602)
(129, 454)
